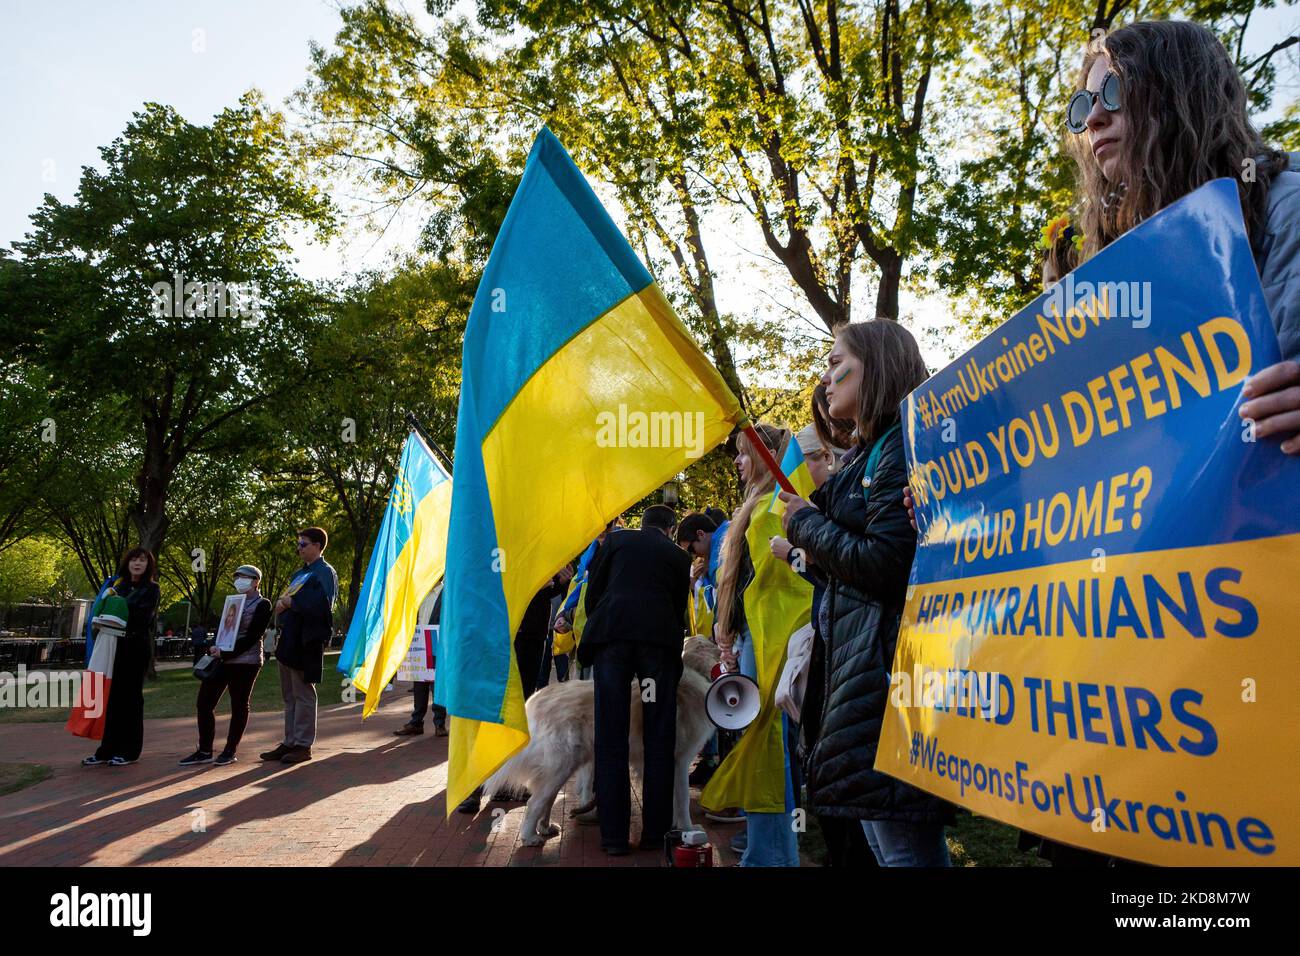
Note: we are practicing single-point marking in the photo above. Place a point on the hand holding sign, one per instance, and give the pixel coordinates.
(1106, 555)
(1274, 404)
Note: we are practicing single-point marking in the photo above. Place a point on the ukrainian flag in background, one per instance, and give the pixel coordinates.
(755, 774)
(566, 327)
(408, 560)
(795, 467)
(574, 607)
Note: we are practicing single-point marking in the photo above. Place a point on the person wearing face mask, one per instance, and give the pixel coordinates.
(239, 669)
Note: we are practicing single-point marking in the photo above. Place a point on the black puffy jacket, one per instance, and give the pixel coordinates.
(862, 540)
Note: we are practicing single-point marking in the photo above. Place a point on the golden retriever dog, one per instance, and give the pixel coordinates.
(561, 724)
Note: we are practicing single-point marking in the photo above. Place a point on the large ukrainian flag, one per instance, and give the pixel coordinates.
(756, 774)
(408, 560)
(567, 329)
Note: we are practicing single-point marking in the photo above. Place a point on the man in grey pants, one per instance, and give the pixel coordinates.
(306, 621)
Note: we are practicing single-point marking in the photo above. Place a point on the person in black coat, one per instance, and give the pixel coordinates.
(535, 630)
(124, 714)
(846, 844)
(856, 531)
(636, 597)
(305, 615)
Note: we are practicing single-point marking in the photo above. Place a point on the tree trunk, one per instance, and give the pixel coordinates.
(891, 274)
(358, 571)
(149, 513)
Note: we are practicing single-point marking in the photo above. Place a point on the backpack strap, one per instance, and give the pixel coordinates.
(877, 450)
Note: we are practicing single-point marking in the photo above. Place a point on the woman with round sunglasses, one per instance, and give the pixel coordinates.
(1162, 111)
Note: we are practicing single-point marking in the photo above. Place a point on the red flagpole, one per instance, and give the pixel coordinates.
(766, 455)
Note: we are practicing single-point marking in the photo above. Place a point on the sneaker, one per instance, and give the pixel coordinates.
(409, 730)
(93, 761)
(440, 730)
(198, 757)
(279, 751)
(297, 755)
(121, 761)
(702, 772)
(729, 815)
(226, 757)
(588, 818)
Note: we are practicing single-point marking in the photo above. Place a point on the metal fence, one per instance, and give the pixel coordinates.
(39, 620)
(34, 653)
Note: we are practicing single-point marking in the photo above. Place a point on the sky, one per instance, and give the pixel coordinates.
(73, 72)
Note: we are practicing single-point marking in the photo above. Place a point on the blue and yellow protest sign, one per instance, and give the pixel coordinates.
(1099, 642)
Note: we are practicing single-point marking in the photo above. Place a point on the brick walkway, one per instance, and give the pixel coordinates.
(368, 798)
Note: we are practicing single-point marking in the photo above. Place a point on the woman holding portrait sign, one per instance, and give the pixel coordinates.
(239, 651)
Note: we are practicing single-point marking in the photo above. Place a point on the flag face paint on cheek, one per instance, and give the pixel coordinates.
(843, 375)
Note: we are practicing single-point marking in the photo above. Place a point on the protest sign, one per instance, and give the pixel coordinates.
(1100, 638)
(418, 664)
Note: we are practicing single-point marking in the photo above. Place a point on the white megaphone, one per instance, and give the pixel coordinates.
(732, 701)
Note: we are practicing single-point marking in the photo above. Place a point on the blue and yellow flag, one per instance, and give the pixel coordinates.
(408, 560)
(581, 391)
(778, 602)
(795, 467)
(574, 607)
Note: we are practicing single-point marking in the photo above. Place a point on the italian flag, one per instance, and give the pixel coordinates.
(87, 717)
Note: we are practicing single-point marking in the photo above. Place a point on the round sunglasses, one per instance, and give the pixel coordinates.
(1076, 114)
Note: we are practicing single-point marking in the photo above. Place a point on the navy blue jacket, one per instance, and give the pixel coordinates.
(307, 624)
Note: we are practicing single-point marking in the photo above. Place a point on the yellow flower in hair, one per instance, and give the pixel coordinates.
(1052, 231)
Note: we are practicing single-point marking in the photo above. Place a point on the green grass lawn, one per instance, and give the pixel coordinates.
(978, 841)
(972, 841)
(15, 776)
(174, 692)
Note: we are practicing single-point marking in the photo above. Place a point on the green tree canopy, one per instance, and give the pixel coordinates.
(209, 209)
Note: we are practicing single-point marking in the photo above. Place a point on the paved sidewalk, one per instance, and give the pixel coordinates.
(368, 798)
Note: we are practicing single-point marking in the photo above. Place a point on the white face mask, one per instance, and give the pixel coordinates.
(243, 585)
